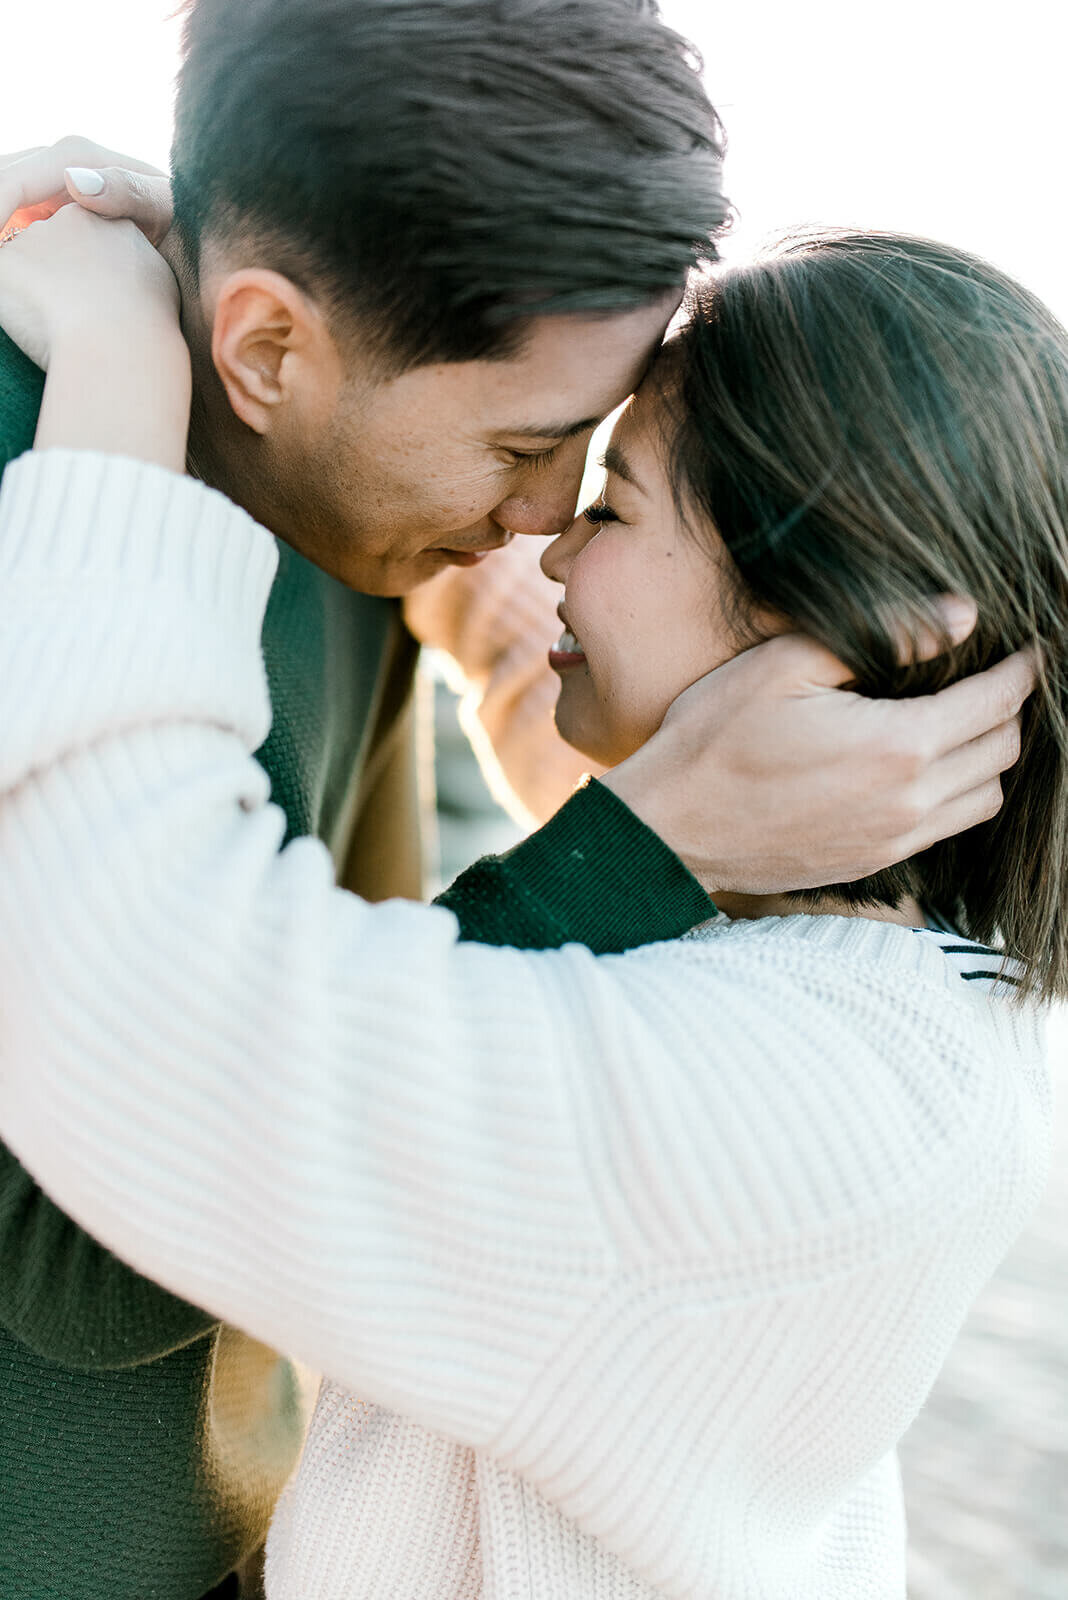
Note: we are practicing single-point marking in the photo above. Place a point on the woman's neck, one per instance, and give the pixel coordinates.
(746, 906)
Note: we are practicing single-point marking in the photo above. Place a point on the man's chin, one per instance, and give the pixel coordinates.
(391, 580)
(398, 578)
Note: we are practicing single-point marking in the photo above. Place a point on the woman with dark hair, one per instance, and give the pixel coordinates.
(628, 1274)
(841, 432)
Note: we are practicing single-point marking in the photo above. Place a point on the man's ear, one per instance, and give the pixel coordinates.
(271, 348)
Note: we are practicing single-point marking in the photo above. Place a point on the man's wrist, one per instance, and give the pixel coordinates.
(655, 794)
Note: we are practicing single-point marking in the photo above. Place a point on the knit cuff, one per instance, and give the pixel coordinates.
(593, 875)
(78, 512)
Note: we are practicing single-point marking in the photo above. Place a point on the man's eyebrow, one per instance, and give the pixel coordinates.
(552, 430)
(615, 461)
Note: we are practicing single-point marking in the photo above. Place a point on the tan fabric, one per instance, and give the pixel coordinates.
(379, 851)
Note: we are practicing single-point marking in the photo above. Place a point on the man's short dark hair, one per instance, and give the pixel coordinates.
(441, 167)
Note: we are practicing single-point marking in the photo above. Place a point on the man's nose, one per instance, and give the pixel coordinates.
(544, 503)
(544, 514)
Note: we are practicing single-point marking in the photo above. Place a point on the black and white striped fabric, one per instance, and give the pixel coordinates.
(975, 963)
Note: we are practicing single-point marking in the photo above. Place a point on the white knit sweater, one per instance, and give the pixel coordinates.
(639, 1267)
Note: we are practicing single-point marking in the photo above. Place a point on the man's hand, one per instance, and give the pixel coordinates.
(36, 183)
(766, 775)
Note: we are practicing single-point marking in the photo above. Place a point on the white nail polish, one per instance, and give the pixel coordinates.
(85, 180)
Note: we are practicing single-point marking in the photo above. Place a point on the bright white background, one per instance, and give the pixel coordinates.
(943, 117)
(104, 69)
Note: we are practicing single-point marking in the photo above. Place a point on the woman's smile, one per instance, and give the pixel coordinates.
(567, 652)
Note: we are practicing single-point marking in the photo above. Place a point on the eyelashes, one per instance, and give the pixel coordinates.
(600, 512)
(533, 458)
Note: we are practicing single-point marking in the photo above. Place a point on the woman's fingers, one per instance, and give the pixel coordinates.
(117, 192)
(33, 185)
(26, 214)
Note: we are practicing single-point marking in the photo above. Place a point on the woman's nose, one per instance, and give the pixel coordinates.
(557, 557)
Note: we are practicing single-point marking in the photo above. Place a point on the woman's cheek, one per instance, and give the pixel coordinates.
(603, 590)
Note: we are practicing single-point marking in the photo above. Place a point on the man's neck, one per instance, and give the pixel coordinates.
(204, 461)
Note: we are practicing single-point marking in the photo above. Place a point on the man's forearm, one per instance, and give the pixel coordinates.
(68, 1299)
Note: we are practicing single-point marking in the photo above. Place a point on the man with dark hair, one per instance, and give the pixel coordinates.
(376, 262)
(424, 247)
(453, 167)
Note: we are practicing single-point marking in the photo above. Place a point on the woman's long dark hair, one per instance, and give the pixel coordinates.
(870, 421)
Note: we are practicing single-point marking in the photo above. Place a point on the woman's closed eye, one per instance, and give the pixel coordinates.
(600, 512)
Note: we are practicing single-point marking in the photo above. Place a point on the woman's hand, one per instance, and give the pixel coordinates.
(95, 305)
(73, 274)
(35, 183)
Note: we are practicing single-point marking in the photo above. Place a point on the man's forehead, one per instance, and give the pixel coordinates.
(564, 379)
(550, 429)
(537, 412)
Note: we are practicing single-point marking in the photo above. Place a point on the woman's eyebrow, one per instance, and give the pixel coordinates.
(616, 462)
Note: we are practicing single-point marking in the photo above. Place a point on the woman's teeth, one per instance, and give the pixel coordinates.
(568, 645)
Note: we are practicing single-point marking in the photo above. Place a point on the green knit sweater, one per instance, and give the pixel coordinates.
(142, 1445)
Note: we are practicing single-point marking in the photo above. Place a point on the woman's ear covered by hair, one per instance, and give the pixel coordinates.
(869, 422)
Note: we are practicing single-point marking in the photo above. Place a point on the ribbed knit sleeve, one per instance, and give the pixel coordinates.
(82, 658)
(62, 1294)
(517, 1197)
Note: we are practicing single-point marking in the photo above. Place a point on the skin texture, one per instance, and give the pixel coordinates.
(386, 481)
(645, 600)
(34, 184)
(651, 606)
(870, 781)
(141, 409)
